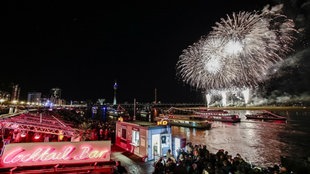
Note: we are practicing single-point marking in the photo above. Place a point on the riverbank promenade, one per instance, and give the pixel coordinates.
(131, 162)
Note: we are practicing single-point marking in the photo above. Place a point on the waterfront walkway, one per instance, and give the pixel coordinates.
(131, 162)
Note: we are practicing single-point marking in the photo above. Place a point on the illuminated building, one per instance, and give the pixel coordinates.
(15, 93)
(145, 139)
(34, 97)
(55, 96)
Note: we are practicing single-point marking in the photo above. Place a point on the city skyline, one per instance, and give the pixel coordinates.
(83, 48)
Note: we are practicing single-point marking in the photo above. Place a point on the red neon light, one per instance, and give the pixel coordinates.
(36, 137)
(45, 154)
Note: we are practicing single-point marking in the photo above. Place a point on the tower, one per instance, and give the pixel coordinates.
(115, 89)
(55, 95)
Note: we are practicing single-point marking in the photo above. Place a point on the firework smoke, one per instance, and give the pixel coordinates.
(239, 51)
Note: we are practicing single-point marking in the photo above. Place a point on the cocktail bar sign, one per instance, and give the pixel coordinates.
(31, 154)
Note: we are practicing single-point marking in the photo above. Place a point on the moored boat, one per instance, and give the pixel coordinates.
(265, 115)
(208, 114)
(186, 121)
(118, 112)
(218, 115)
(233, 118)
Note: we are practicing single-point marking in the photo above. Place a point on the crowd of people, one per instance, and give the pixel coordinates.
(196, 159)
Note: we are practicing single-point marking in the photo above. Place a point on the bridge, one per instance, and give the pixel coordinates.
(126, 106)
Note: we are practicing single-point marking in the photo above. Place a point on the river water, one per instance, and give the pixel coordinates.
(259, 142)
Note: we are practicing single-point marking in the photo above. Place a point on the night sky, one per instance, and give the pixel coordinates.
(82, 47)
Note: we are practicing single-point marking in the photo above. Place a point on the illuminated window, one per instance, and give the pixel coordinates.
(135, 137)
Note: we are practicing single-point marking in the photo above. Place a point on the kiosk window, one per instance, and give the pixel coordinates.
(124, 133)
(135, 137)
(163, 139)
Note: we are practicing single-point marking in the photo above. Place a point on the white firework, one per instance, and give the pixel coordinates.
(239, 51)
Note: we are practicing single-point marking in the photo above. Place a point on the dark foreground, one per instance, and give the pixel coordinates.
(131, 162)
(135, 165)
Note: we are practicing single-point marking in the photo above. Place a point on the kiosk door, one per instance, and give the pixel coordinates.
(156, 150)
(165, 143)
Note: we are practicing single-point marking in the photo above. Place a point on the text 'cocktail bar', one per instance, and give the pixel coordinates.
(42, 141)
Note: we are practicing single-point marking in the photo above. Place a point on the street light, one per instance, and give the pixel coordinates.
(1, 101)
(14, 110)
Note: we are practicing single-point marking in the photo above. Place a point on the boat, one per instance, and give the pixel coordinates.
(118, 112)
(232, 118)
(186, 121)
(218, 115)
(210, 111)
(265, 115)
(143, 115)
(207, 114)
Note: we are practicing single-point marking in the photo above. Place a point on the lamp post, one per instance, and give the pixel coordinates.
(134, 109)
(14, 109)
(1, 104)
(1, 101)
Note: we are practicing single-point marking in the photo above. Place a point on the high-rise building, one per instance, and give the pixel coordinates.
(15, 93)
(34, 97)
(4, 96)
(55, 95)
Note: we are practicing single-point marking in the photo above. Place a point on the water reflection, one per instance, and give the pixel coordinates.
(259, 142)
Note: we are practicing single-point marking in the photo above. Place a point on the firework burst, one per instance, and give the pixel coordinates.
(239, 51)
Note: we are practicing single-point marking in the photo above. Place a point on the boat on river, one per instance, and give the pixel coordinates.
(117, 112)
(186, 121)
(265, 115)
(206, 114)
(232, 118)
(218, 115)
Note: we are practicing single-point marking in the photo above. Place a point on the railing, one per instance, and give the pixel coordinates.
(100, 167)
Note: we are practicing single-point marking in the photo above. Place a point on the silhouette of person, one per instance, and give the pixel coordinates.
(119, 169)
